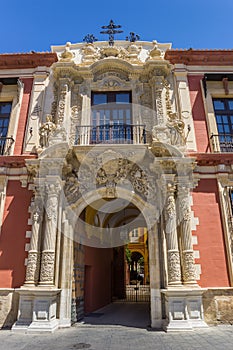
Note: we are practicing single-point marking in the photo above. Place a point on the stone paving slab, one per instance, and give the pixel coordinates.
(95, 337)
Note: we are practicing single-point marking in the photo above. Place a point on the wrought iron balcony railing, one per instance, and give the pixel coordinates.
(222, 142)
(5, 145)
(110, 133)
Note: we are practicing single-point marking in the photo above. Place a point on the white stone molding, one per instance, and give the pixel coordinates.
(184, 103)
(3, 187)
(225, 184)
(154, 262)
(13, 94)
(35, 119)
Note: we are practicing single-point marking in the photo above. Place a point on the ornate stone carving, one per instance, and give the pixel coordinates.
(53, 189)
(36, 214)
(170, 211)
(71, 189)
(184, 206)
(176, 128)
(115, 171)
(90, 53)
(113, 51)
(67, 55)
(51, 204)
(54, 103)
(189, 273)
(20, 89)
(62, 103)
(32, 169)
(75, 122)
(46, 130)
(174, 273)
(133, 52)
(109, 72)
(33, 264)
(47, 267)
(159, 102)
(155, 54)
(167, 97)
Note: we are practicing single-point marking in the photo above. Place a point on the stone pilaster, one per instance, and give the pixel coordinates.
(53, 188)
(33, 264)
(173, 255)
(155, 310)
(188, 264)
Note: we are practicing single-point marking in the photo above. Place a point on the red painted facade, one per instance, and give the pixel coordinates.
(98, 278)
(209, 234)
(13, 235)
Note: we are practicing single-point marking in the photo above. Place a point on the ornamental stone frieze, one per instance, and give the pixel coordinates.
(47, 267)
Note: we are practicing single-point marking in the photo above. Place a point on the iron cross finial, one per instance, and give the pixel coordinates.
(111, 31)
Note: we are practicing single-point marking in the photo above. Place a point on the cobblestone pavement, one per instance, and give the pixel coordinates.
(97, 337)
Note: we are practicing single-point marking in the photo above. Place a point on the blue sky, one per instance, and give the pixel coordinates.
(29, 25)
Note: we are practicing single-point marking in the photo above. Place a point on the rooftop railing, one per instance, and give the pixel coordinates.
(110, 134)
(5, 145)
(222, 142)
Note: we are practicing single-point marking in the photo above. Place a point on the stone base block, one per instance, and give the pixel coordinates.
(8, 307)
(184, 309)
(37, 310)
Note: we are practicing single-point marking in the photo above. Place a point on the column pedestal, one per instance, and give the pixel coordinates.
(37, 310)
(184, 309)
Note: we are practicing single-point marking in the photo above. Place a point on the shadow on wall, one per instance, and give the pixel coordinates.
(9, 301)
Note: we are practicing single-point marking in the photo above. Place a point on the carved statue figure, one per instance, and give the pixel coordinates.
(46, 130)
(176, 127)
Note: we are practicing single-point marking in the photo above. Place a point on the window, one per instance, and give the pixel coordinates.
(111, 117)
(224, 118)
(5, 110)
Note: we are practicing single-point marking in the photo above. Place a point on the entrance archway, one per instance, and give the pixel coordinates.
(104, 279)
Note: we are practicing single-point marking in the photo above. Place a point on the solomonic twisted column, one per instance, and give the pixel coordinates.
(188, 264)
(173, 255)
(50, 231)
(33, 263)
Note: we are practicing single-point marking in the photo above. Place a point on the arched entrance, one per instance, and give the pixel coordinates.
(113, 232)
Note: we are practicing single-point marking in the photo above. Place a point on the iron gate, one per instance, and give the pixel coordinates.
(137, 293)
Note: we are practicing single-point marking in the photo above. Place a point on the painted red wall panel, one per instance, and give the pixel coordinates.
(23, 115)
(198, 112)
(12, 237)
(98, 283)
(210, 235)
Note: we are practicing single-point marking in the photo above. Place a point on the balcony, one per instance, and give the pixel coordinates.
(5, 145)
(110, 134)
(222, 143)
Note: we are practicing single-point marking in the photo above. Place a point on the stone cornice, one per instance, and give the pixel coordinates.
(15, 161)
(200, 57)
(209, 159)
(27, 60)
